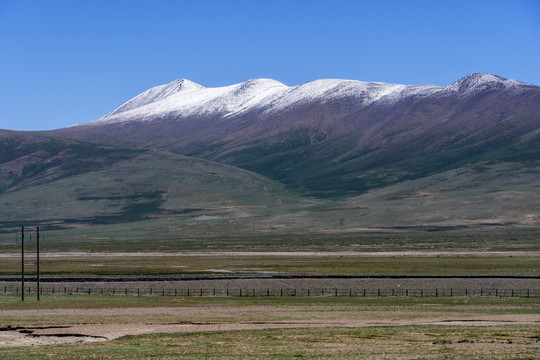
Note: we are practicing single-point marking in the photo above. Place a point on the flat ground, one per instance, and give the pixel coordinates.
(133, 327)
(302, 284)
(307, 262)
(164, 327)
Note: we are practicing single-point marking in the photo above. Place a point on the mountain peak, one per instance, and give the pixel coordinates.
(259, 85)
(482, 81)
(157, 93)
(181, 85)
(479, 78)
(186, 98)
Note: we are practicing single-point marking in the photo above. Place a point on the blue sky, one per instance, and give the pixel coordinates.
(69, 62)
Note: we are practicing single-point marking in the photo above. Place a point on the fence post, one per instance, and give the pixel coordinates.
(378, 292)
(308, 294)
(528, 292)
(496, 292)
(451, 292)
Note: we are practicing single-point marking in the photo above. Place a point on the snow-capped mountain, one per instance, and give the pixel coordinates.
(183, 98)
(331, 136)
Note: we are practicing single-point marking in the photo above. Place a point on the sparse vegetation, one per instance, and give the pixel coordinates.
(404, 342)
(401, 340)
(298, 264)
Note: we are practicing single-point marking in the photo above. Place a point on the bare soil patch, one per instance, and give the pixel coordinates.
(276, 317)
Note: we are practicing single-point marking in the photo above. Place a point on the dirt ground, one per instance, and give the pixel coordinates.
(287, 254)
(303, 283)
(297, 317)
(117, 322)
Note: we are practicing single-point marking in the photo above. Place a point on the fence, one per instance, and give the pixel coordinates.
(148, 291)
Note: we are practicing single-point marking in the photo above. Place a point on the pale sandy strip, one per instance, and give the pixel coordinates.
(104, 332)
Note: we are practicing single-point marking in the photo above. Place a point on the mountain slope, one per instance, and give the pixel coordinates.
(63, 183)
(333, 138)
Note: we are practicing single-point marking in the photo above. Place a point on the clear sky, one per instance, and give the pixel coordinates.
(69, 62)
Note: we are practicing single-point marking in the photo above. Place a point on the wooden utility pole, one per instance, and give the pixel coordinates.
(22, 261)
(37, 242)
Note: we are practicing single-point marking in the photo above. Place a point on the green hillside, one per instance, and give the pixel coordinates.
(101, 198)
(97, 185)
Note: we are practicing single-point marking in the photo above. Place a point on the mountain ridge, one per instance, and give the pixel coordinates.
(173, 97)
(331, 132)
(330, 158)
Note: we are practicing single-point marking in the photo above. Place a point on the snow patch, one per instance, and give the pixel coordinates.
(482, 81)
(183, 98)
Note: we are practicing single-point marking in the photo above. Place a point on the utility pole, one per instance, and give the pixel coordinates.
(22, 261)
(37, 242)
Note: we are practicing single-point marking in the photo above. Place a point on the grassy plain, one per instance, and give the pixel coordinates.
(491, 305)
(403, 342)
(265, 234)
(393, 328)
(297, 264)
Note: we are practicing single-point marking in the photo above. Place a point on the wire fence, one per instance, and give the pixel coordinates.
(321, 292)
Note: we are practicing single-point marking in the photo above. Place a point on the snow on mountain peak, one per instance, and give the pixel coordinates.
(183, 98)
(481, 81)
(260, 84)
(157, 93)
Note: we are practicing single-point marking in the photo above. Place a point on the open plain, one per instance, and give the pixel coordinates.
(230, 327)
(119, 327)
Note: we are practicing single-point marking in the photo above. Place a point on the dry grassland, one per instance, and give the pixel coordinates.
(108, 327)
